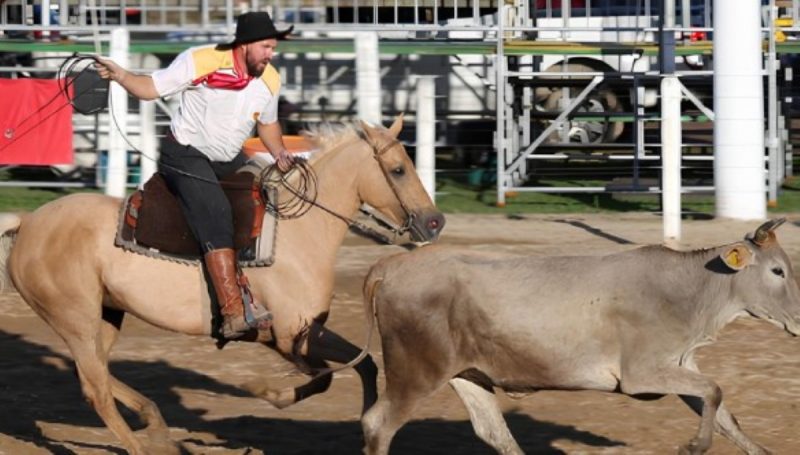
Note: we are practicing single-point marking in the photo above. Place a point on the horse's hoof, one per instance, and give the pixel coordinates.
(279, 399)
(256, 387)
(165, 447)
(157, 434)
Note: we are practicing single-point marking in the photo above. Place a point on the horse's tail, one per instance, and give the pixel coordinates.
(9, 225)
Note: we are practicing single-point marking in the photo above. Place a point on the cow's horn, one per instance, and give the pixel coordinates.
(762, 233)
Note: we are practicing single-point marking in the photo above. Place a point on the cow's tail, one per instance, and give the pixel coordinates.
(9, 225)
(371, 285)
(370, 290)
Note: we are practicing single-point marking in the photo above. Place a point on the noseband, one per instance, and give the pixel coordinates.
(408, 225)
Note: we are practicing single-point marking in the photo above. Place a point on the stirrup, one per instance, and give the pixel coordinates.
(255, 315)
(234, 327)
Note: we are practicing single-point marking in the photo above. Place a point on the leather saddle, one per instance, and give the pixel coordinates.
(153, 217)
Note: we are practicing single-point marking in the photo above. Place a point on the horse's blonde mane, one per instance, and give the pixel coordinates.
(327, 137)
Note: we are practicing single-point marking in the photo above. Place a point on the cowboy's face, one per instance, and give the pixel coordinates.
(258, 54)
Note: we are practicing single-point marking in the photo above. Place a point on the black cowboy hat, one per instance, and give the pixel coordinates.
(255, 26)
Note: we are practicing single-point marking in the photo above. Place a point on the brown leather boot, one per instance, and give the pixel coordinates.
(225, 277)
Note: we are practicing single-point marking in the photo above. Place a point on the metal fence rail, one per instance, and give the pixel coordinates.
(462, 34)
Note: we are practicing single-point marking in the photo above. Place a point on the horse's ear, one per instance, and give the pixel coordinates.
(394, 130)
(369, 130)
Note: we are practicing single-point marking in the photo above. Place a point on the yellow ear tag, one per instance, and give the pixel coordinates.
(733, 258)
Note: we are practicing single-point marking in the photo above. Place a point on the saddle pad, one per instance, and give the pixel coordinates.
(151, 222)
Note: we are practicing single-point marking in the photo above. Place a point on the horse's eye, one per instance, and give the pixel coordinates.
(778, 271)
(399, 171)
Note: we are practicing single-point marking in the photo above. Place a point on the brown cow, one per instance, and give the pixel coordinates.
(627, 323)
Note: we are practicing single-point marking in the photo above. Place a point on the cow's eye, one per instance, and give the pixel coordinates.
(778, 271)
(399, 171)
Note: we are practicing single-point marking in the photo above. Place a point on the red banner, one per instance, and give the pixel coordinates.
(31, 130)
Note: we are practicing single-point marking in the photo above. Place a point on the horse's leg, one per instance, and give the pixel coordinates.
(290, 395)
(322, 345)
(82, 335)
(148, 412)
(326, 344)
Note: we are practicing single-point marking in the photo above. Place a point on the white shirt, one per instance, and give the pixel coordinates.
(216, 121)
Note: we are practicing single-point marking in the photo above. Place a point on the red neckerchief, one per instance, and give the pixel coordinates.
(225, 81)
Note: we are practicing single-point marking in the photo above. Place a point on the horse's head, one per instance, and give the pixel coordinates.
(392, 186)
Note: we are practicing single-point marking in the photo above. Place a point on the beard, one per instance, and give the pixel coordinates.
(255, 69)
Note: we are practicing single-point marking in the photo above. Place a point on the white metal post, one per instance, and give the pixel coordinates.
(368, 78)
(205, 19)
(229, 24)
(117, 164)
(500, 85)
(426, 133)
(147, 141)
(671, 140)
(739, 173)
(44, 16)
(773, 179)
(671, 157)
(63, 12)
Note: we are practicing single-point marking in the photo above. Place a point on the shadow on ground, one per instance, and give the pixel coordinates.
(40, 385)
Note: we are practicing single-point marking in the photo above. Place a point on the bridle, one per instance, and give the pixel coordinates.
(308, 177)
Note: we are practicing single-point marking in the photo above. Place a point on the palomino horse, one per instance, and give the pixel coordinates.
(64, 264)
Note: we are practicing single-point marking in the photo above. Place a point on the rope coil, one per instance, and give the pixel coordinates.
(298, 199)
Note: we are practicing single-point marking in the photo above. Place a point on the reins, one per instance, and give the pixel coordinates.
(305, 194)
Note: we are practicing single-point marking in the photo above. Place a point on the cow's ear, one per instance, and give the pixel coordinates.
(737, 257)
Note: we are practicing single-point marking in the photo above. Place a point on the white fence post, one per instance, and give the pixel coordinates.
(739, 171)
(426, 133)
(368, 78)
(148, 145)
(671, 157)
(147, 141)
(117, 163)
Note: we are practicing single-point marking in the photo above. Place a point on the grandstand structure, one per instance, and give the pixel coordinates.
(539, 95)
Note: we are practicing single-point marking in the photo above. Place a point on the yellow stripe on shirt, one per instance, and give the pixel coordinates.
(272, 78)
(209, 59)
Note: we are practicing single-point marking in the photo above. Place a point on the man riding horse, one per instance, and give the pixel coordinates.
(225, 90)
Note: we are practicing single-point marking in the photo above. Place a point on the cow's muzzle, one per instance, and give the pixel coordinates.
(427, 225)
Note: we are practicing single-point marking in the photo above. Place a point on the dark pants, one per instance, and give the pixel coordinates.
(195, 182)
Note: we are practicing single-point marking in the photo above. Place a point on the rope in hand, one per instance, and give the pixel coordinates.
(301, 196)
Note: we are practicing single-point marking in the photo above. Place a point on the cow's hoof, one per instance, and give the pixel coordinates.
(694, 447)
(758, 450)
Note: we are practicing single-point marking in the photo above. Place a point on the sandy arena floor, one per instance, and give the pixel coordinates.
(195, 385)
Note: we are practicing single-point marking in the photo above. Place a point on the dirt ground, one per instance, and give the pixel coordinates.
(195, 385)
